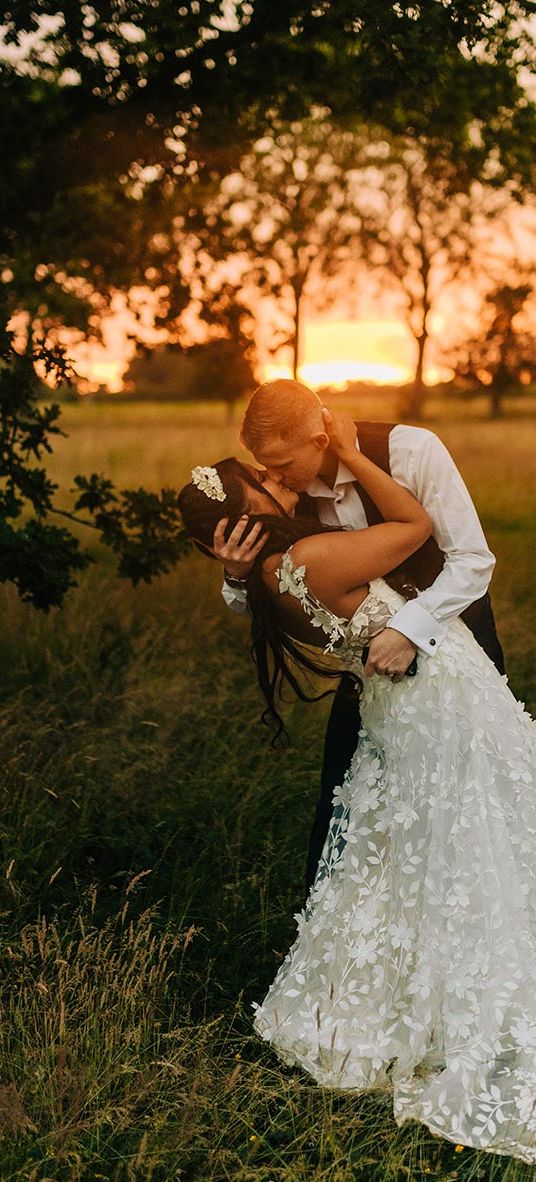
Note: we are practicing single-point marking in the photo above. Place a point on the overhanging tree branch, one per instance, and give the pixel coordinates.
(142, 529)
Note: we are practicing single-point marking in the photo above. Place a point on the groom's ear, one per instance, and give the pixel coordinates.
(320, 440)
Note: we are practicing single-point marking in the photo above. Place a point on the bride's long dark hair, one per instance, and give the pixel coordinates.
(274, 652)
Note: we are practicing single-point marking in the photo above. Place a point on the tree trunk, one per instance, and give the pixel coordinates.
(496, 396)
(297, 287)
(417, 391)
(414, 401)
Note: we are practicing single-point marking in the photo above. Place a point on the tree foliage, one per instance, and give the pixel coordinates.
(428, 218)
(73, 230)
(43, 559)
(314, 207)
(503, 354)
(220, 68)
(215, 370)
(126, 115)
(285, 222)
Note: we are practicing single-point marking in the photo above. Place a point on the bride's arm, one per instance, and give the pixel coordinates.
(394, 502)
(339, 562)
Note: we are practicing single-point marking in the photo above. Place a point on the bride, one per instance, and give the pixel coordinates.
(414, 963)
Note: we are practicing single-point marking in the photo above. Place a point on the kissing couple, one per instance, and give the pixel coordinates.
(357, 553)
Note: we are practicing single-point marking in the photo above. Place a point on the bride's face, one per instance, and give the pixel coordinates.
(258, 503)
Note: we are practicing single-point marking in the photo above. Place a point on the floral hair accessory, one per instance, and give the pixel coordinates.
(208, 481)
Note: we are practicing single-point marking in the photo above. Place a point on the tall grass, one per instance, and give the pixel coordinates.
(154, 851)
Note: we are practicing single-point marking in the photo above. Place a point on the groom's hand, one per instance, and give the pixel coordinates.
(390, 654)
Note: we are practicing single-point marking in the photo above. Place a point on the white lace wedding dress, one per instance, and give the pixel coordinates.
(414, 964)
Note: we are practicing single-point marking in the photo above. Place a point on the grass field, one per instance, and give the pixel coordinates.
(154, 849)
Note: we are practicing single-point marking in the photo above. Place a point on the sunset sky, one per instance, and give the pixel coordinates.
(335, 350)
(369, 342)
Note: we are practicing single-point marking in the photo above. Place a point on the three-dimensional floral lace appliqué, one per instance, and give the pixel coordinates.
(363, 624)
(291, 579)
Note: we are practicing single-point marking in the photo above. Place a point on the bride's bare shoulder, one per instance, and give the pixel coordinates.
(305, 548)
(311, 549)
(308, 551)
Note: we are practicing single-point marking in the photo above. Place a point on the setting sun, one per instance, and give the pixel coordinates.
(337, 352)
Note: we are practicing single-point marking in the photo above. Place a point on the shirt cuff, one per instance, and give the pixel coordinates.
(419, 626)
(235, 598)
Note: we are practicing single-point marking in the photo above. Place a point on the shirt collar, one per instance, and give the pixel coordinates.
(319, 488)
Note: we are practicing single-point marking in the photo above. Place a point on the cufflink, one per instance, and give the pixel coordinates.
(433, 641)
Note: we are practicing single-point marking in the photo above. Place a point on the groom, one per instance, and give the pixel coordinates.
(285, 429)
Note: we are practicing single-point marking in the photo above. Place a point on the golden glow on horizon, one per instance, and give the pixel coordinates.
(337, 352)
(338, 373)
(334, 352)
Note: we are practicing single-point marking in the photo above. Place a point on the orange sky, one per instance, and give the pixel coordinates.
(334, 351)
(337, 351)
(362, 337)
(369, 342)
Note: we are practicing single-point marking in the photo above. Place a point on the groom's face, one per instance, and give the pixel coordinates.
(293, 464)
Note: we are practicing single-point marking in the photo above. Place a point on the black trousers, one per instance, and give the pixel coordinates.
(345, 723)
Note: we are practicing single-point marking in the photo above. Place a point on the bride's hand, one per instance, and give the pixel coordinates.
(342, 433)
(238, 553)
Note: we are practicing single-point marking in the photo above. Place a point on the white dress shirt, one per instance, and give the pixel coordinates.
(422, 464)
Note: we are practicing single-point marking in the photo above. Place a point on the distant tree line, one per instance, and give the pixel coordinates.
(216, 371)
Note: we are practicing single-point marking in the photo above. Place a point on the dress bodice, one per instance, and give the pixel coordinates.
(346, 638)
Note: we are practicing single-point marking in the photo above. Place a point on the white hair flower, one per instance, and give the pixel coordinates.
(209, 482)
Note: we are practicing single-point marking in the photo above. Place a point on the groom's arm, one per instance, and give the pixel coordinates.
(422, 463)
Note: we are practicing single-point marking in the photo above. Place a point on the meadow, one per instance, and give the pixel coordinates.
(154, 850)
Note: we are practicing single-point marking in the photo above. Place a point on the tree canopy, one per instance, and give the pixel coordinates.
(225, 68)
(122, 117)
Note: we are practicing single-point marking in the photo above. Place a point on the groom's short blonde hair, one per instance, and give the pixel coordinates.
(282, 408)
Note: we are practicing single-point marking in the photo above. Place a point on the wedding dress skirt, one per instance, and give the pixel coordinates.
(414, 964)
